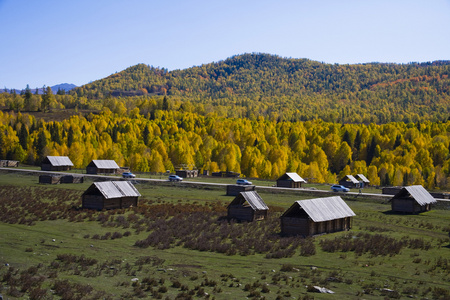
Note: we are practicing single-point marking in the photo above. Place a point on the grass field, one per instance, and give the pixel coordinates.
(50, 249)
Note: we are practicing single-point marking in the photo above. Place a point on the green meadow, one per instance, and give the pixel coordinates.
(177, 245)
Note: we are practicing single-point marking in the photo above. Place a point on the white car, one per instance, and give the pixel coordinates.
(339, 188)
(243, 182)
(128, 175)
(175, 178)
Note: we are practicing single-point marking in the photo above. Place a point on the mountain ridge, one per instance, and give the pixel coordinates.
(294, 89)
(62, 86)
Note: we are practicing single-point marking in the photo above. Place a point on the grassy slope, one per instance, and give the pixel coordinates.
(23, 246)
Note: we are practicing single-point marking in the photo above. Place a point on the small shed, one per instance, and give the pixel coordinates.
(56, 163)
(349, 181)
(316, 216)
(248, 206)
(72, 179)
(102, 166)
(9, 163)
(362, 180)
(187, 173)
(110, 195)
(290, 180)
(412, 199)
(225, 174)
(235, 189)
(49, 179)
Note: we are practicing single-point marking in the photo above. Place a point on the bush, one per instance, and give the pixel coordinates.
(287, 268)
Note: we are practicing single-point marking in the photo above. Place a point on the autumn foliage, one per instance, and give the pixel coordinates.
(388, 154)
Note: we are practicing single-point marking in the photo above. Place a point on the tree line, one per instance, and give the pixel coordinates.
(163, 139)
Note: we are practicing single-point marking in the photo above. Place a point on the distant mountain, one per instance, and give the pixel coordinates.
(63, 87)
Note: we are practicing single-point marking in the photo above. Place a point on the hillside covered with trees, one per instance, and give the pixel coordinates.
(295, 89)
(256, 114)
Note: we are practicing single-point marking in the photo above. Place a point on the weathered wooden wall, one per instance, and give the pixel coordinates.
(239, 212)
(307, 227)
(408, 206)
(50, 179)
(288, 184)
(49, 167)
(294, 226)
(93, 202)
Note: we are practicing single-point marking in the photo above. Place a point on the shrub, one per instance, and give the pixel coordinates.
(176, 284)
(308, 247)
(265, 289)
(287, 268)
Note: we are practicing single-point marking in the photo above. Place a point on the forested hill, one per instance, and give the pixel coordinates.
(295, 89)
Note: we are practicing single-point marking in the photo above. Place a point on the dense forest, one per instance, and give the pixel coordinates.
(389, 154)
(256, 114)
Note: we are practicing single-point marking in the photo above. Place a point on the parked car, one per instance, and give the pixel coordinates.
(243, 182)
(128, 175)
(175, 178)
(339, 188)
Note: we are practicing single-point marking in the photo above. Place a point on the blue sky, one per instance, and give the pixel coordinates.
(48, 42)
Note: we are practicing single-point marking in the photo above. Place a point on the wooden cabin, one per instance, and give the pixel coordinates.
(248, 206)
(316, 216)
(56, 163)
(349, 182)
(110, 195)
(102, 166)
(186, 173)
(363, 181)
(412, 199)
(290, 180)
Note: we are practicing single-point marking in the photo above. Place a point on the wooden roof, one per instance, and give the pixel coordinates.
(252, 198)
(58, 161)
(292, 176)
(105, 164)
(416, 192)
(324, 209)
(363, 178)
(350, 178)
(114, 189)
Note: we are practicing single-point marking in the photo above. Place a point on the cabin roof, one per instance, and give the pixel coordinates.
(324, 209)
(417, 192)
(350, 178)
(292, 176)
(59, 161)
(115, 189)
(363, 178)
(105, 164)
(252, 198)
